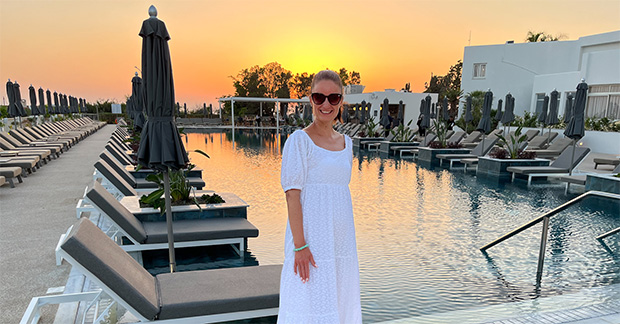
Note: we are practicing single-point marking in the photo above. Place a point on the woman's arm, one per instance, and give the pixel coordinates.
(304, 257)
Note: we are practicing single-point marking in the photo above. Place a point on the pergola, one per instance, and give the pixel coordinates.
(277, 101)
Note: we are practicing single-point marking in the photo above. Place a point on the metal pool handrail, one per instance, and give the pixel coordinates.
(545, 219)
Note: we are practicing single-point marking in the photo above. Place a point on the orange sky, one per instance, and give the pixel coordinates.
(89, 48)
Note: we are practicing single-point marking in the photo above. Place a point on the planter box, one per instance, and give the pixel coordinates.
(606, 183)
(428, 156)
(496, 168)
(196, 172)
(357, 141)
(386, 145)
(233, 207)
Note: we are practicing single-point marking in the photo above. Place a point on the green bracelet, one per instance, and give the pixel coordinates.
(300, 248)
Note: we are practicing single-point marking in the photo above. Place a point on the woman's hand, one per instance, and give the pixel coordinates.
(303, 259)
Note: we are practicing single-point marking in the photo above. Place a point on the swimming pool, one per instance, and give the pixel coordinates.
(419, 231)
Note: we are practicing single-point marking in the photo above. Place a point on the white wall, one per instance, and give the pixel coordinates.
(525, 69)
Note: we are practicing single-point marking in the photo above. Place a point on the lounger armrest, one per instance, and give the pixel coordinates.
(62, 239)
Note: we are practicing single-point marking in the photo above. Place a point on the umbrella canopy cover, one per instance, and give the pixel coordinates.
(552, 116)
(498, 114)
(41, 101)
(345, 113)
(56, 103)
(509, 114)
(48, 94)
(363, 112)
(399, 118)
(445, 115)
(542, 118)
(18, 99)
(137, 94)
(485, 121)
(425, 107)
(34, 110)
(385, 119)
(576, 125)
(160, 146)
(568, 109)
(10, 92)
(469, 117)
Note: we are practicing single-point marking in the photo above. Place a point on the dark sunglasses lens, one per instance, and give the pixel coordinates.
(334, 98)
(318, 98)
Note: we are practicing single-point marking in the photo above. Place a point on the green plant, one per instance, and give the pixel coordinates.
(212, 199)
(602, 124)
(513, 143)
(403, 133)
(441, 130)
(180, 190)
(372, 128)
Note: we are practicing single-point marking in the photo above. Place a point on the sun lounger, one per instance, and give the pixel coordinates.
(580, 179)
(478, 151)
(120, 156)
(13, 144)
(540, 142)
(11, 172)
(472, 139)
(204, 296)
(16, 139)
(112, 177)
(415, 148)
(561, 166)
(153, 235)
(43, 156)
(25, 138)
(33, 135)
(457, 137)
(40, 152)
(554, 150)
(606, 161)
(27, 164)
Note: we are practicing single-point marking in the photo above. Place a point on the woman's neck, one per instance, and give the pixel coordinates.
(323, 129)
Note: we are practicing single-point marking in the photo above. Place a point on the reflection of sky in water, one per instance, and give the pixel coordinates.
(419, 231)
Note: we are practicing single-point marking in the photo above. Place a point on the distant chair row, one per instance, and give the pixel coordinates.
(25, 150)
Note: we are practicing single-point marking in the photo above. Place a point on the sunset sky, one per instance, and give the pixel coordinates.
(89, 48)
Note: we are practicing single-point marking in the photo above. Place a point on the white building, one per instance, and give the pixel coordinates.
(411, 102)
(529, 71)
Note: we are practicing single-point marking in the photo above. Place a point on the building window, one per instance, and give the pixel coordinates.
(480, 70)
(604, 101)
(540, 100)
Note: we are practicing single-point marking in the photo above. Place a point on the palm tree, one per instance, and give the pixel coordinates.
(533, 37)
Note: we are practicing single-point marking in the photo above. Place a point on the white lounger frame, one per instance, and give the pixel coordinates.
(32, 314)
(116, 233)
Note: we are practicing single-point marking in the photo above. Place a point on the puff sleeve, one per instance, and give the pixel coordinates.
(294, 162)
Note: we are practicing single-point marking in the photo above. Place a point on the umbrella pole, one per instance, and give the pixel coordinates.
(173, 263)
(572, 160)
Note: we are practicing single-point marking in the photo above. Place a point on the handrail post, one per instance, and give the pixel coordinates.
(543, 248)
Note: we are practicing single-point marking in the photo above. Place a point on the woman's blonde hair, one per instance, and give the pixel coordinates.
(327, 75)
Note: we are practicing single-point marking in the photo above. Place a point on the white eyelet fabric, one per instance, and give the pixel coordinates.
(332, 294)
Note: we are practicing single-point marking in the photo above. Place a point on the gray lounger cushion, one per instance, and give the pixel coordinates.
(120, 184)
(172, 295)
(200, 229)
(142, 183)
(91, 248)
(116, 211)
(195, 293)
(561, 165)
(120, 169)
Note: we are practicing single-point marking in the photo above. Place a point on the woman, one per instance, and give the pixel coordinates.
(320, 277)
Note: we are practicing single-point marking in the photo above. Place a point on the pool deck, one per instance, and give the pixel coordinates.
(36, 212)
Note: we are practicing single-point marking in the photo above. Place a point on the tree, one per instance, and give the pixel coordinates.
(300, 85)
(533, 37)
(349, 77)
(448, 85)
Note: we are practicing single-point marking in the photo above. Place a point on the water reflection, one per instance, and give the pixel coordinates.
(419, 229)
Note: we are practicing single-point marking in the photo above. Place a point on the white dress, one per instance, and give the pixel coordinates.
(332, 294)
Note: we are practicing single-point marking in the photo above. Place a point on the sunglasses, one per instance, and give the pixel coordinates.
(319, 98)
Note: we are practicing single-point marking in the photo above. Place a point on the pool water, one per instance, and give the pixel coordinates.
(419, 230)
